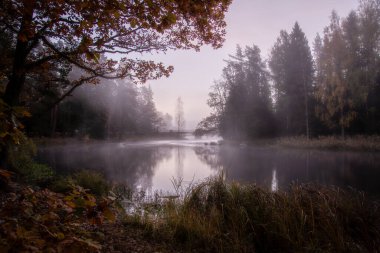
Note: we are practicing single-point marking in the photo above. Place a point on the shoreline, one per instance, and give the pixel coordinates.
(322, 143)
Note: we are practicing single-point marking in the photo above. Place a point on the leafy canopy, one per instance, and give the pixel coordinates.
(80, 31)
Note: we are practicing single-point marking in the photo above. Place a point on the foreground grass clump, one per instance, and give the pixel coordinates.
(355, 143)
(220, 217)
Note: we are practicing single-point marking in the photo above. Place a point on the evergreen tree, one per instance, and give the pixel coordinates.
(248, 109)
(278, 65)
(148, 120)
(292, 69)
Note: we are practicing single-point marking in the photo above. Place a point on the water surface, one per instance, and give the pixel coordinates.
(153, 165)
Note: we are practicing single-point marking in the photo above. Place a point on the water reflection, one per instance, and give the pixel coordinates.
(152, 165)
(274, 185)
(124, 164)
(278, 168)
(180, 157)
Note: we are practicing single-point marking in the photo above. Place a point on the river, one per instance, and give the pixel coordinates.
(154, 165)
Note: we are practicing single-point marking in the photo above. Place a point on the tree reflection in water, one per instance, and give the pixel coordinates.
(279, 168)
(151, 166)
(121, 163)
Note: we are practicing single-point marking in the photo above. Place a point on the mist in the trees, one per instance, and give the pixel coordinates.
(329, 89)
(113, 109)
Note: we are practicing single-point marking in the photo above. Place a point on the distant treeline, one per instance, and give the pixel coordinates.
(109, 109)
(334, 90)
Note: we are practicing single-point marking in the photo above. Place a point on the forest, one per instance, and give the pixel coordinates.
(107, 109)
(329, 88)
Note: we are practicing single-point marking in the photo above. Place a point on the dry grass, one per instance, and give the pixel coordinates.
(219, 217)
(355, 143)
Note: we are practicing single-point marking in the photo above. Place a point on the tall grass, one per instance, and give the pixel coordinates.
(219, 217)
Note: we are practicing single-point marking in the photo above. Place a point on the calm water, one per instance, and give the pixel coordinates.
(152, 165)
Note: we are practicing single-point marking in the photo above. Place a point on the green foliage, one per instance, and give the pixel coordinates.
(36, 173)
(61, 184)
(21, 157)
(93, 181)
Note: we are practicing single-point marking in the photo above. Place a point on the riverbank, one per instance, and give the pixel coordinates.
(355, 143)
(212, 216)
(41, 141)
(332, 143)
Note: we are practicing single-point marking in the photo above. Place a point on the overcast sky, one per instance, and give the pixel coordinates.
(248, 22)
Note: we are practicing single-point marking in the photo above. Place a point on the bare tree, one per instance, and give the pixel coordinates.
(179, 115)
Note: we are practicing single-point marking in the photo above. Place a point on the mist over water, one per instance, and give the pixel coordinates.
(152, 165)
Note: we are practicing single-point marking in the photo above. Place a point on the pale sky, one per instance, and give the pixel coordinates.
(248, 22)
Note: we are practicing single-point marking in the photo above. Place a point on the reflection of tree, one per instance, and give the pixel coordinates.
(209, 156)
(133, 165)
(179, 159)
(265, 166)
(247, 165)
(274, 184)
(136, 164)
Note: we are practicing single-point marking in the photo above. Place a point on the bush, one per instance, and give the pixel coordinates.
(61, 184)
(20, 158)
(93, 181)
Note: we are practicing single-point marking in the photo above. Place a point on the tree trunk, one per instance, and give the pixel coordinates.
(17, 79)
(306, 108)
(53, 120)
(342, 133)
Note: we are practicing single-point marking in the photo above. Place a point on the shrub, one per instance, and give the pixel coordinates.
(93, 181)
(20, 158)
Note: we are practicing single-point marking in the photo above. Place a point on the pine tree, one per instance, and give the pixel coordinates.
(291, 64)
(248, 109)
(278, 64)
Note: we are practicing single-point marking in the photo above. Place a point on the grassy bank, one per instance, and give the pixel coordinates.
(355, 143)
(219, 217)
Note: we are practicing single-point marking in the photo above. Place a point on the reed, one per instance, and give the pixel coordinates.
(215, 216)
